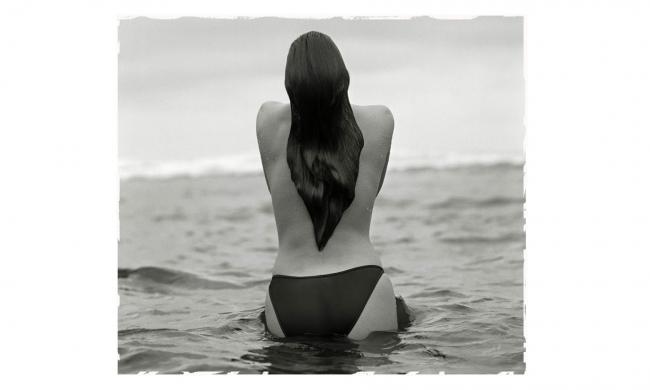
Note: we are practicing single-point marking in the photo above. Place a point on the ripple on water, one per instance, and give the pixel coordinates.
(143, 360)
(433, 292)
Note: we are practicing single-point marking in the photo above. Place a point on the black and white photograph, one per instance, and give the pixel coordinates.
(340, 194)
(321, 195)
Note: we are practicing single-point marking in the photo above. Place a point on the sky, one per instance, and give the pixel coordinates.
(190, 88)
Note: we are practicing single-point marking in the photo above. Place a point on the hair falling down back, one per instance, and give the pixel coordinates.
(325, 141)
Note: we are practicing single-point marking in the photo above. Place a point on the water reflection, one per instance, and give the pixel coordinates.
(325, 355)
(332, 354)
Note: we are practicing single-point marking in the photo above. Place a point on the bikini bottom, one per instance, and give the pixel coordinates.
(324, 304)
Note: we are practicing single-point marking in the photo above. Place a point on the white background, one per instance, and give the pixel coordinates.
(587, 89)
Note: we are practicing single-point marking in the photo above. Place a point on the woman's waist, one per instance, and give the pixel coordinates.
(335, 258)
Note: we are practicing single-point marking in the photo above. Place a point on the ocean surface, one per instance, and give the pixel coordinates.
(198, 241)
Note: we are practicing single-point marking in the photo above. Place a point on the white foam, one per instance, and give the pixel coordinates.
(227, 165)
(250, 163)
(402, 160)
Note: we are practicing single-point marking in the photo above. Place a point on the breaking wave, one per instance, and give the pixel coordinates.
(250, 163)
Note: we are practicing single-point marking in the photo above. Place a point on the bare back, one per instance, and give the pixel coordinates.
(349, 245)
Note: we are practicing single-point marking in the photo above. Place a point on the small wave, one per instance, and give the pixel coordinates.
(251, 163)
(224, 330)
(175, 278)
(126, 332)
(237, 274)
(482, 239)
(480, 300)
(506, 284)
(457, 308)
(151, 358)
(437, 293)
(393, 270)
(157, 312)
(430, 352)
(481, 261)
(422, 349)
(467, 202)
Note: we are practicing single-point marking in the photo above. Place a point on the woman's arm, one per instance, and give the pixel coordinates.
(387, 125)
(262, 129)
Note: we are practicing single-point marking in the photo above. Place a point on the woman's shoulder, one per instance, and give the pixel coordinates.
(273, 110)
(374, 109)
(377, 112)
(378, 117)
(270, 116)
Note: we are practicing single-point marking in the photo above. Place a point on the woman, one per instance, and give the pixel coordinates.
(324, 162)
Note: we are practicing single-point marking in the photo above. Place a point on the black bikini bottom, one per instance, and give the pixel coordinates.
(323, 304)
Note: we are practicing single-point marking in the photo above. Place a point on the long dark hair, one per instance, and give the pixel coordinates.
(325, 141)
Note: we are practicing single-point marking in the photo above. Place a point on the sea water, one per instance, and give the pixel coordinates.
(197, 247)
